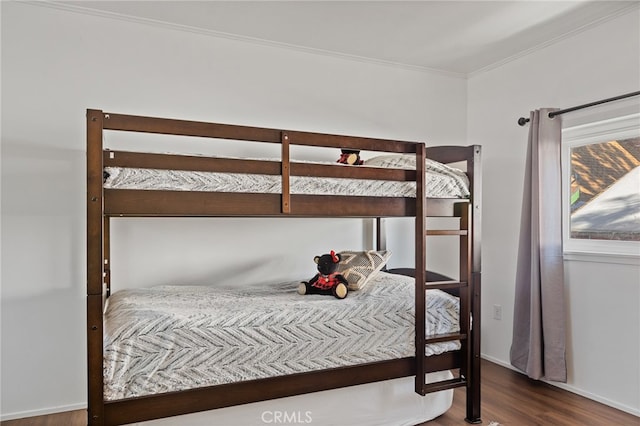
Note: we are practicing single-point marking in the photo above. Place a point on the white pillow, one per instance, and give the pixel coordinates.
(393, 161)
(358, 267)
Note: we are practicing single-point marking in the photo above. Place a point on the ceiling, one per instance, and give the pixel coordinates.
(455, 37)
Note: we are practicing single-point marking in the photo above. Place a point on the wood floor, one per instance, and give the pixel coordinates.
(512, 399)
(508, 398)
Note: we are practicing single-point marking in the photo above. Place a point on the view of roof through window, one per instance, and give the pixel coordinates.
(605, 190)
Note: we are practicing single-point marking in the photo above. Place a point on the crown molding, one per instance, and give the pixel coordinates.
(240, 38)
(315, 51)
(613, 15)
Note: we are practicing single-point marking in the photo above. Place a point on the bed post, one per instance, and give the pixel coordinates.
(95, 267)
(473, 387)
(106, 252)
(420, 269)
(381, 234)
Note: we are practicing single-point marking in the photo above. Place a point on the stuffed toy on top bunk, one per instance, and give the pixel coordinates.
(327, 281)
(350, 157)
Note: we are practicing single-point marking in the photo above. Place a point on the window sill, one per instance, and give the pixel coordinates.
(600, 257)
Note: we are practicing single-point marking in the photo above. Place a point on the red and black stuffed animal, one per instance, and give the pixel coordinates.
(351, 157)
(327, 281)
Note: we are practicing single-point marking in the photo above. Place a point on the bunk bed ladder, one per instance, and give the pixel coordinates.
(468, 285)
(464, 233)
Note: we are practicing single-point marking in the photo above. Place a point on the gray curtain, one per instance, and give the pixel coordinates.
(538, 344)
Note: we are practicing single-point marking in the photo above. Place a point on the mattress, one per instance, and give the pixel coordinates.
(442, 181)
(172, 338)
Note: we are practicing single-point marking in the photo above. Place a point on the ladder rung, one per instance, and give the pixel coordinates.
(435, 338)
(447, 232)
(441, 285)
(443, 385)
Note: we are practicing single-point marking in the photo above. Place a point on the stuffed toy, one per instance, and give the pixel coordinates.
(327, 281)
(351, 157)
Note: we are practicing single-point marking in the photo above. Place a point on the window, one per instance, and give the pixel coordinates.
(601, 193)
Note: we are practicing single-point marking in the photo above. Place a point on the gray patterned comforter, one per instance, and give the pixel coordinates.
(172, 338)
(441, 182)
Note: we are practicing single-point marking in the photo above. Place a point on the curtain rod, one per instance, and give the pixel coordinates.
(522, 121)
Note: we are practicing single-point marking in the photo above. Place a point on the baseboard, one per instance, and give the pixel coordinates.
(572, 389)
(42, 412)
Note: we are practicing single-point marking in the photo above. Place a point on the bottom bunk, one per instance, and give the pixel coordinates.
(177, 349)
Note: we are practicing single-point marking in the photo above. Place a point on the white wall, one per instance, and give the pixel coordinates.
(603, 298)
(57, 63)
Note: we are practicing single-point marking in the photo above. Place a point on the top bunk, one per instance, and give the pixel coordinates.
(400, 179)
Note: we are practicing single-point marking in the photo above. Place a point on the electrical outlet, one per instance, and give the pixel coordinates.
(497, 312)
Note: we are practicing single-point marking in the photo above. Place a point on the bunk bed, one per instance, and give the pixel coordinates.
(286, 198)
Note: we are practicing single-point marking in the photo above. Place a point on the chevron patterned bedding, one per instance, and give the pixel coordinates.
(442, 182)
(172, 338)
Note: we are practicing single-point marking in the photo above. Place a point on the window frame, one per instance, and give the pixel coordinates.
(609, 251)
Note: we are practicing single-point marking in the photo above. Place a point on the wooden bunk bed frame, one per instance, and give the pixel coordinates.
(102, 204)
